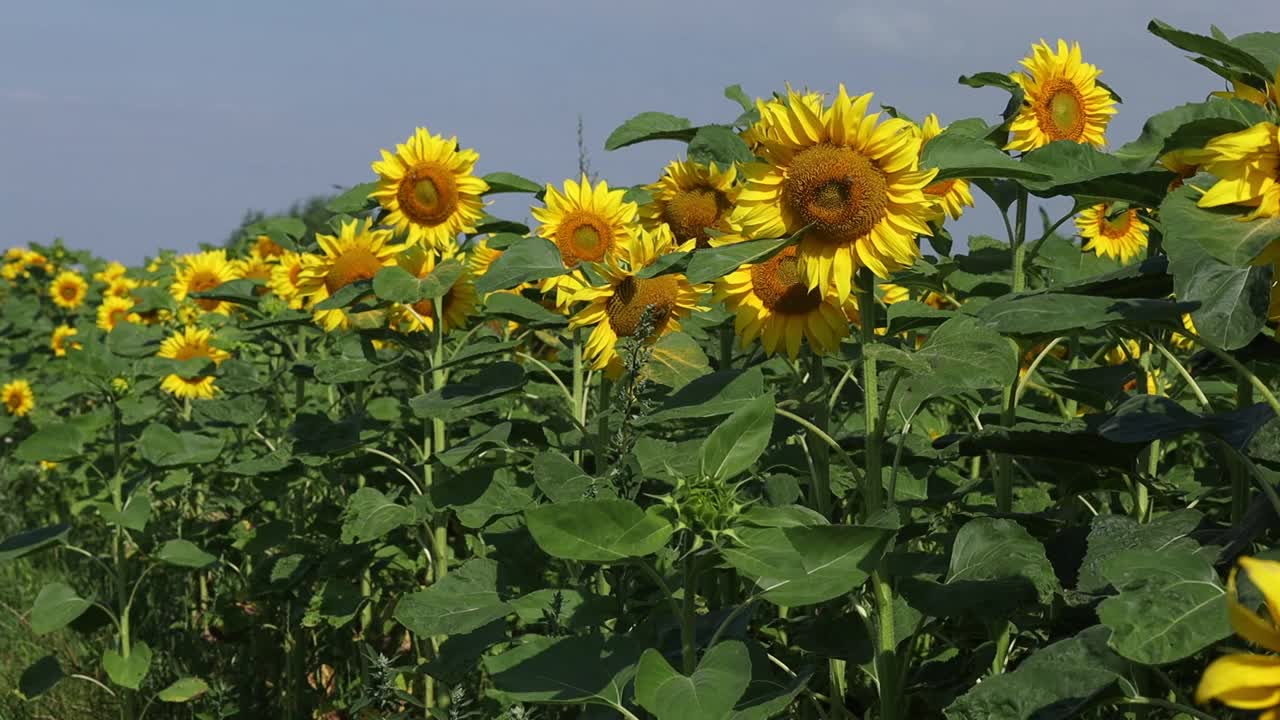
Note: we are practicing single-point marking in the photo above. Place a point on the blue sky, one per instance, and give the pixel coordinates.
(139, 124)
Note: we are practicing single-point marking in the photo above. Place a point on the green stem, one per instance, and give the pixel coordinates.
(119, 549)
(726, 345)
(689, 615)
(820, 451)
(1008, 411)
(886, 657)
(1003, 634)
(872, 482)
(1019, 236)
(579, 390)
(1240, 485)
(602, 426)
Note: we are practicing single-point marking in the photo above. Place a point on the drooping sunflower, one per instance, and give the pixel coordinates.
(116, 310)
(617, 307)
(60, 341)
(692, 197)
(950, 196)
(586, 224)
(285, 276)
(1247, 164)
(357, 252)
(18, 398)
(853, 180)
(771, 301)
(36, 260)
(1064, 100)
(480, 257)
(1110, 234)
(187, 344)
(428, 189)
(458, 304)
(1240, 90)
(1249, 681)
(202, 272)
(68, 290)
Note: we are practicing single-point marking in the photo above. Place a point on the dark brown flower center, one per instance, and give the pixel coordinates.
(626, 307)
(428, 194)
(357, 263)
(780, 287)
(837, 190)
(691, 212)
(583, 237)
(1060, 111)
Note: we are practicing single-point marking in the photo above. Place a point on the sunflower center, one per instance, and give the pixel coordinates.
(119, 315)
(294, 271)
(68, 292)
(427, 308)
(204, 281)
(780, 287)
(626, 306)
(358, 263)
(1118, 226)
(428, 194)
(837, 190)
(1061, 112)
(13, 400)
(583, 236)
(691, 212)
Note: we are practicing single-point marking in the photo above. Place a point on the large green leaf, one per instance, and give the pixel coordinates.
(1189, 126)
(491, 382)
(675, 361)
(29, 541)
(796, 566)
(185, 553)
(650, 126)
(505, 182)
(1042, 314)
(1213, 48)
(399, 285)
(597, 530)
(735, 445)
(1111, 535)
(480, 493)
(1220, 232)
(1080, 169)
(718, 393)
(961, 354)
(510, 306)
(353, 200)
(720, 145)
(163, 447)
(55, 607)
(183, 690)
(581, 668)
(370, 515)
(55, 443)
(712, 263)
(957, 155)
(40, 677)
(128, 671)
(710, 693)
(525, 261)
(466, 599)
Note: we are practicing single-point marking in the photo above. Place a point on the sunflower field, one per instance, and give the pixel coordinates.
(757, 440)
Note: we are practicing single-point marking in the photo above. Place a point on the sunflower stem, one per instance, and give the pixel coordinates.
(1240, 486)
(578, 389)
(1008, 413)
(821, 453)
(726, 345)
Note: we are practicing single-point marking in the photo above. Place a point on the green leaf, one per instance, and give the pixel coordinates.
(464, 600)
(720, 145)
(713, 263)
(576, 669)
(184, 553)
(505, 182)
(797, 566)
(1212, 48)
(496, 435)
(55, 607)
(283, 230)
(735, 445)
(128, 672)
(491, 382)
(1189, 126)
(1080, 169)
(353, 201)
(1265, 46)
(395, 284)
(183, 690)
(719, 393)
(601, 531)
(136, 513)
(346, 296)
(710, 693)
(957, 155)
(30, 541)
(40, 677)
(560, 478)
(370, 515)
(1111, 535)
(132, 340)
(525, 261)
(481, 493)
(962, 354)
(1044, 314)
(55, 443)
(913, 315)
(650, 126)
(510, 306)
(989, 79)
(1220, 232)
(676, 360)
(734, 92)
(163, 447)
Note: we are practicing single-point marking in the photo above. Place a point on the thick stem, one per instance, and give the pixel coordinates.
(689, 616)
(1240, 485)
(578, 389)
(1008, 413)
(726, 346)
(872, 482)
(821, 453)
(892, 706)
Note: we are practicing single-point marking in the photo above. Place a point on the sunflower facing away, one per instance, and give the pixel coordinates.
(18, 398)
(771, 301)
(1247, 164)
(586, 224)
(1064, 100)
(459, 303)
(265, 247)
(691, 197)
(1249, 681)
(116, 310)
(285, 276)
(853, 179)
(60, 341)
(203, 272)
(617, 307)
(950, 196)
(68, 290)
(357, 252)
(1110, 234)
(190, 343)
(428, 189)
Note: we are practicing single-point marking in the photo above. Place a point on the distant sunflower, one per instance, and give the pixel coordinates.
(191, 343)
(18, 398)
(285, 276)
(35, 260)
(1184, 163)
(617, 307)
(692, 197)
(255, 267)
(356, 253)
(13, 254)
(1121, 236)
(60, 342)
(1064, 100)
(68, 290)
(1247, 164)
(853, 179)
(771, 301)
(428, 189)
(110, 272)
(459, 303)
(116, 310)
(203, 272)
(950, 196)
(586, 224)
(121, 287)
(265, 247)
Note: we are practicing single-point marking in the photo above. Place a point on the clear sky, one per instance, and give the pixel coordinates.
(131, 125)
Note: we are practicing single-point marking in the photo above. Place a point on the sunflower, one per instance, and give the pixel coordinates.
(356, 253)
(1270, 94)
(33, 259)
(110, 272)
(853, 180)
(285, 276)
(769, 111)
(617, 307)
(1064, 100)
(203, 272)
(59, 341)
(18, 398)
(771, 301)
(459, 303)
(187, 344)
(1183, 163)
(950, 196)
(121, 287)
(1126, 351)
(1249, 681)
(480, 257)
(586, 224)
(692, 197)
(1184, 342)
(1247, 164)
(1121, 236)
(116, 310)
(265, 247)
(68, 290)
(428, 189)
(13, 254)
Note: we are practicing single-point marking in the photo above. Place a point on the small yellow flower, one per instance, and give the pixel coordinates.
(952, 195)
(18, 398)
(1248, 681)
(112, 271)
(1063, 99)
(428, 189)
(68, 290)
(1116, 235)
(116, 310)
(186, 344)
(59, 341)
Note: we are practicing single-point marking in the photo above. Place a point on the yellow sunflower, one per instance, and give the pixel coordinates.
(1184, 163)
(428, 189)
(459, 303)
(33, 259)
(770, 110)
(1183, 342)
(480, 257)
(187, 344)
(203, 272)
(950, 196)
(256, 267)
(1249, 681)
(121, 287)
(356, 253)
(110, 272)
(586, 224)
(13, 254)
(853, 179)
(1063, 99)
(1121, 236)
(1244, 91)
(617, 307)
(18, 398)
(692, 197)
(1247, 164)
(265, 247)
(116, 310)
(68, 290)
(285, 276)
(771, 301)
(60, 341)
